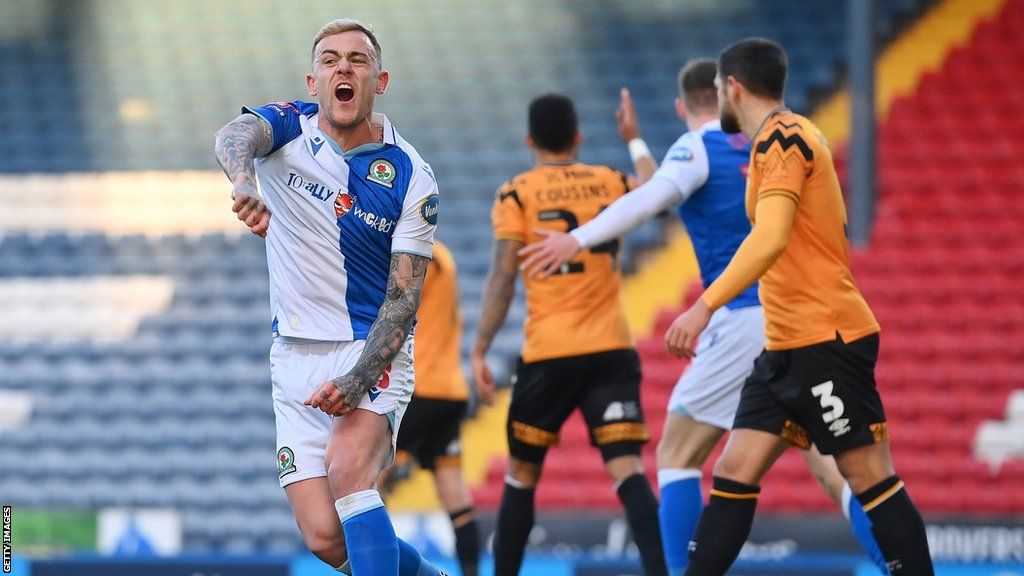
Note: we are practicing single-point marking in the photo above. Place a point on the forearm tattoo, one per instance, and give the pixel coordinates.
(501, 287)
(392, 326)
(237, 144)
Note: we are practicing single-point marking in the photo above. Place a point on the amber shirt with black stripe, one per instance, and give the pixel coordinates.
(578, 310)
(808, 294)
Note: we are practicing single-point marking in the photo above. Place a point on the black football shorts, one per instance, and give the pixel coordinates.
(430, 432)
(604, 385)
(823, 394)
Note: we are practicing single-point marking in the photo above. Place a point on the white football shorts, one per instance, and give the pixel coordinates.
(709, 389)
(297, 370)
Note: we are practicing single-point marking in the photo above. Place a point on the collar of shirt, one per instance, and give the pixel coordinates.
(390, 136)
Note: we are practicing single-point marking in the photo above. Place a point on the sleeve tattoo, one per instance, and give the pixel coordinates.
(392, 326)
(498, 294)
(237, 144)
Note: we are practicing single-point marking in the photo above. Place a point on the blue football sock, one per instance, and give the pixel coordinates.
(861, 525)
(411, 563)
(369, 535)
(680, 508)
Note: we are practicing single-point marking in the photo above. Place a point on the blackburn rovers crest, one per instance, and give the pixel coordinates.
(382, 172)
(285, 461)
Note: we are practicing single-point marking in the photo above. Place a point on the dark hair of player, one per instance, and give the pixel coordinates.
(757, 63)
(697, 84)
(553, 122)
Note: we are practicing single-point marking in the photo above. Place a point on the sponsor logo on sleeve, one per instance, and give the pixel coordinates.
(382, 172)
(680, 154)
(281, 106)
(429, 209)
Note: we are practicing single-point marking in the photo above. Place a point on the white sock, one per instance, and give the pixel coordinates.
(667, 476)
(357, 503)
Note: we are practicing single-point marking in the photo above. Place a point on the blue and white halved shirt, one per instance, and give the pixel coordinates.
(335, 221)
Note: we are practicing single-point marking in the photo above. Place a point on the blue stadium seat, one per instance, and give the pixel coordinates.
(185, 404)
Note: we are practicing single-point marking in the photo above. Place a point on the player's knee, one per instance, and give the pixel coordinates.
(326, 545)
(865, 467)
(861, 480)
(525, 474)
(350, 477)
(674, 452)
(666, 452)
(623, 467)
(732, 468)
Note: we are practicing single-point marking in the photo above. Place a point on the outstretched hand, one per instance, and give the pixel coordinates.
(547, 256)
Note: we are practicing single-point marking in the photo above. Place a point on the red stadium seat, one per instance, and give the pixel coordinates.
(943, 276)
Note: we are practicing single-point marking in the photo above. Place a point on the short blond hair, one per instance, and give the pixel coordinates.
(347, 25)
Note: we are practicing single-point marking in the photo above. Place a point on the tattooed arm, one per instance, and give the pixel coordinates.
(386, 337)
(237, 144)
(501, 287)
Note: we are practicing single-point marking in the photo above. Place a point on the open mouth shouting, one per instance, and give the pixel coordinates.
(344, 92)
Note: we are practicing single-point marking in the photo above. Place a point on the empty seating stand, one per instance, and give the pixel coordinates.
(176, 411)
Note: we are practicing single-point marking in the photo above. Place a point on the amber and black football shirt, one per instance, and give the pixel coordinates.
(576, 311)
(808, 294)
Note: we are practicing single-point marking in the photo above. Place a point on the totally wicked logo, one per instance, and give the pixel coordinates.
(315, 189)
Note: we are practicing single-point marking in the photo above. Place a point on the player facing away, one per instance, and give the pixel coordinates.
(348, 209)
(577, 350)
(430, 428)
(702, 173)
(815, 381)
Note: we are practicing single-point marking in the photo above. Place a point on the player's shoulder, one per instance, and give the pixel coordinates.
(284, 109)
(511, 189)
(401, 160)
(687, 147)
(284, 119)
(401, 145)
(398, 147)
(522, 180)
(603, 170)
(787, 134)
(605, 173)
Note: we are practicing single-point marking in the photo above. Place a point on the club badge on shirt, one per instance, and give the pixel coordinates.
(382, 172)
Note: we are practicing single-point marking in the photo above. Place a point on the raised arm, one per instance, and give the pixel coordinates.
(498, 294)
(629, 130)
(386, 337)
(237, 145)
